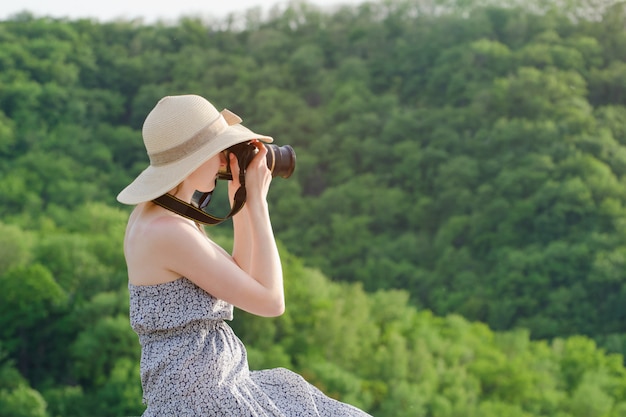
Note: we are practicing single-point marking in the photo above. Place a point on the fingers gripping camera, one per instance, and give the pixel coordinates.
(281, 160)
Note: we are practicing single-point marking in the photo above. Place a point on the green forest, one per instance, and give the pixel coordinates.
(453, 237)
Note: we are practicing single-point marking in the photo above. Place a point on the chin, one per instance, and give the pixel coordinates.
(208, 188)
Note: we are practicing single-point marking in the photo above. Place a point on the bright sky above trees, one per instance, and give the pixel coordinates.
(148, 10)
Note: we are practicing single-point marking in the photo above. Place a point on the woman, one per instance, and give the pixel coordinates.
(183, 286)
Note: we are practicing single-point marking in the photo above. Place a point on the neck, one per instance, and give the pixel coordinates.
(182, 192)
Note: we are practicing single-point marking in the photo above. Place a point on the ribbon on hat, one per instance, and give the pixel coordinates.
(190, 145)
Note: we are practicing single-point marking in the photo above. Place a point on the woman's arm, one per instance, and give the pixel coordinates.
(256, 237)
(253, 214)
(242, 251)
(252, 279)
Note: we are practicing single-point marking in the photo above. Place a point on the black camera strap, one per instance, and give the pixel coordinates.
(189, 211)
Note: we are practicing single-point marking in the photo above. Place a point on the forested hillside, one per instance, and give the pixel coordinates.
(454, 236)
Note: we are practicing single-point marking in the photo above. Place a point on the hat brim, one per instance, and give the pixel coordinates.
(156, 181)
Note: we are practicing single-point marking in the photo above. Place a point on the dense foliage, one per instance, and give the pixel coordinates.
(469, 161)
(67, 348)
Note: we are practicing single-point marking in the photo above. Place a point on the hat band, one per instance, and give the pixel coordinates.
(189, 146)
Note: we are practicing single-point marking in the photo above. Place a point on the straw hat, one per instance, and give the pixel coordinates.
(180, 134)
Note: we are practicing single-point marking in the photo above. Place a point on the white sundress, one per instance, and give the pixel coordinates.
(193, 364)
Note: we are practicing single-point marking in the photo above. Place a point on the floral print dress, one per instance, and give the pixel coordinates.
(193, 365)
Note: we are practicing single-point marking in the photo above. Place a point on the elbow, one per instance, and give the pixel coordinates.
(278, 309)
(281, 309)
(275, 308)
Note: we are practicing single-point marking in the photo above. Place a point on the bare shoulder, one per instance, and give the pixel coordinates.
(149, 226)
(156, 243)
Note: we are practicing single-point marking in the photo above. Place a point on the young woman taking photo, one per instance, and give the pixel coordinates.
(183, 286)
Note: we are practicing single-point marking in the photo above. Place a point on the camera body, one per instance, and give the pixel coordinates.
(281, 160)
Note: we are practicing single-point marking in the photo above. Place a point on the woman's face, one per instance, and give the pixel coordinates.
(203, 178)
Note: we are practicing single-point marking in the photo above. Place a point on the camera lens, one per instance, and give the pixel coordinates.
(281, 160)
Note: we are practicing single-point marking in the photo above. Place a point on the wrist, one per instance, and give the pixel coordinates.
(255, 207)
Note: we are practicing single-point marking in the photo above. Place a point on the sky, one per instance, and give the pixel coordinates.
(148, 10)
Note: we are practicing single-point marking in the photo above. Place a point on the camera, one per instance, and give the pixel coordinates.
(281, 160)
